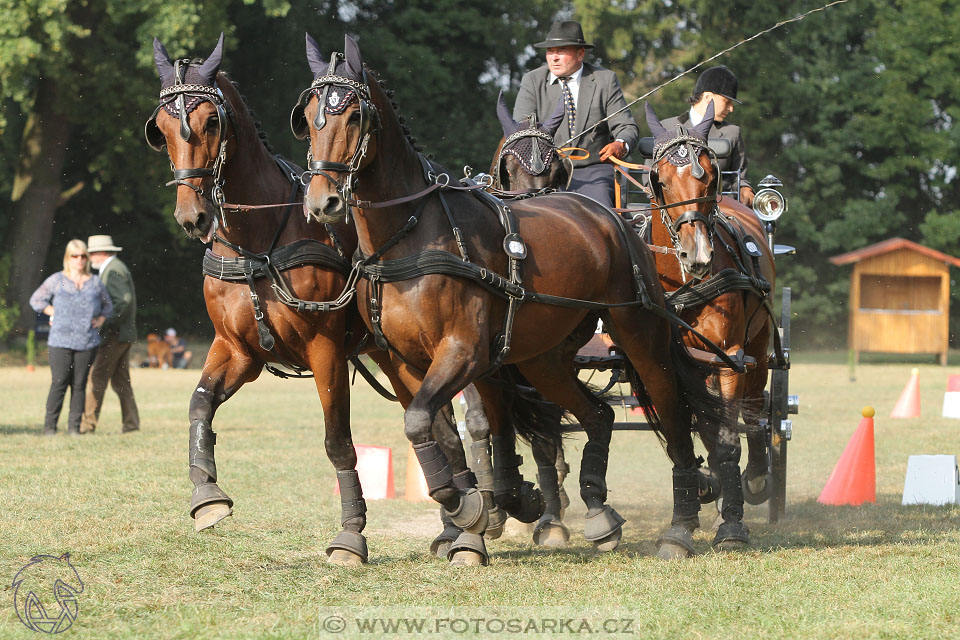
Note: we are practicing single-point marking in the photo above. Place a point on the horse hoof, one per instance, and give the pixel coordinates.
(731, 545)
(756, 490)
(466, 559)
(609, 543)
(344, 558)
(210, 514)
(551, 534)
(671, 551)
(442, 548)
(494, 532)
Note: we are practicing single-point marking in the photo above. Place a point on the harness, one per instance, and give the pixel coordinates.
(179, 100)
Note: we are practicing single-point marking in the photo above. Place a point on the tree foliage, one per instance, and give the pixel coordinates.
(853, 108)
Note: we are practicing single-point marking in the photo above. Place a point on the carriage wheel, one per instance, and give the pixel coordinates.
(779, 409)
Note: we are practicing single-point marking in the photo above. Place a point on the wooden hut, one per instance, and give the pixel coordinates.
(899, 298)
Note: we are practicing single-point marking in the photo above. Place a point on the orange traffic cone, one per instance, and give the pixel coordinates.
(908, 406)
(854, 479)
(416, 487)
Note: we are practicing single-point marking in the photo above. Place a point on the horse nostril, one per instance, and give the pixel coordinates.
(332, 204)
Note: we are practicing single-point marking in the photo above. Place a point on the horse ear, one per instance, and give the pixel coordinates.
(654, 122)
(314, 58)
(351, 54)
(211, 65)
(556, 118)
(162, 59)
(702, 130)
(507, 122)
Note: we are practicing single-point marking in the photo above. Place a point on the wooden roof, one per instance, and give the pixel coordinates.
(893, 244)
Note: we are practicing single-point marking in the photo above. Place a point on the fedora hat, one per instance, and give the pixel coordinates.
(101, 243)
(565, 33)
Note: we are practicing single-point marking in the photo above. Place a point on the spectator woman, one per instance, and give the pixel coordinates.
(78, 305)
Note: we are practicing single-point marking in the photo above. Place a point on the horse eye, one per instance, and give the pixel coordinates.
(212, 124)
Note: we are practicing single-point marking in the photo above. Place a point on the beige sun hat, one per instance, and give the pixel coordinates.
(101, 243)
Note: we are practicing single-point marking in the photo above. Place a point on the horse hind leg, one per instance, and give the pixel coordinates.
(550, 530)
(480, 457)
(558, 383)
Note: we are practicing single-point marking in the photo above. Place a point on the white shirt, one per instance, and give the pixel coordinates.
(573, 83)
(103, 265)
(695, 118)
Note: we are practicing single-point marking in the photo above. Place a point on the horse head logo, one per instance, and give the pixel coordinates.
(46, 592)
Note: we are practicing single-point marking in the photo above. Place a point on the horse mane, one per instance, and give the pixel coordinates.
(258, 128)
(391, 96)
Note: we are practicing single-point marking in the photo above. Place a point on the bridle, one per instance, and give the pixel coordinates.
(678, 151)
(179, 100)
(327, 89)
(537, 159)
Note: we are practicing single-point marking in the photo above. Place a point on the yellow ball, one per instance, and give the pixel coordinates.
(915, 371)
(868, 412)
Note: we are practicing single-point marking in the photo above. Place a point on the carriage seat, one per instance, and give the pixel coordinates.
(720, 146)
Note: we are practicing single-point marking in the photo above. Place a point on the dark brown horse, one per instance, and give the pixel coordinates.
(269, 274)
(445, 294)
(711, 241)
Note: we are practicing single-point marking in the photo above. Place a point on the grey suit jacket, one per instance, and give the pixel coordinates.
(119, 285)
(599, 96)
(736, 161)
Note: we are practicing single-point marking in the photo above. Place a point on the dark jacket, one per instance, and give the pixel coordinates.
(736, 161)
(119, 285)
(599, 96)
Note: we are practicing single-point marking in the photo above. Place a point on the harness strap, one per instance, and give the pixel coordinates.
(371, 379)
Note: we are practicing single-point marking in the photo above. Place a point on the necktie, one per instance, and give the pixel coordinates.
(569, 105)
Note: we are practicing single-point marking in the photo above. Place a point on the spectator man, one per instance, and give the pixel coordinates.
(112, 362)
(178, 349)
(590, 94)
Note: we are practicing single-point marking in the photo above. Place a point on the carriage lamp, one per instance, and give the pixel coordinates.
(768, 203)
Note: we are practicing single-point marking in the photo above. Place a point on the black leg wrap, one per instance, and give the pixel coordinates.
(593, 474)
(480, 454)
(550, 486)
(203, 467)
(436, 469)
(506, 463)
(686, 499)
(732, 492)
(353, 508)
(465, 480)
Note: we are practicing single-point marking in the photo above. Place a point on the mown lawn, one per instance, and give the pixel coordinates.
(118, 504)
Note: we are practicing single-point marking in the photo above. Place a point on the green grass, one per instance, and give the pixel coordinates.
(118, 504)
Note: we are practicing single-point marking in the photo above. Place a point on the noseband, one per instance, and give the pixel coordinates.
(334, 94)
(179, 100)
(679, 151)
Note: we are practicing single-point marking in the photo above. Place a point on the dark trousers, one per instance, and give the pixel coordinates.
(111, 365)
(68, 368)
(595, 181)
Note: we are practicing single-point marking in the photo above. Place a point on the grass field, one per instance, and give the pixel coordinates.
(118, 504)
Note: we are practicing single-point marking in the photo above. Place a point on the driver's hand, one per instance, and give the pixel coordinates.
(746, 196)
(615, 148)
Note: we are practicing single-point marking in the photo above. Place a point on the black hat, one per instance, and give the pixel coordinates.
(566, 33)
(718, 80)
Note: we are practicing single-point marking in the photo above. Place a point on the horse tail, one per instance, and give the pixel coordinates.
(534, 418)
(700, 406)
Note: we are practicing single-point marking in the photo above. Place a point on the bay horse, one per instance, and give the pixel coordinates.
(719, 268)
(273, 285)
(434, 296)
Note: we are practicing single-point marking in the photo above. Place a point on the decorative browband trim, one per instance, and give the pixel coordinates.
(325, 80)
(528, 133)
(189, 88)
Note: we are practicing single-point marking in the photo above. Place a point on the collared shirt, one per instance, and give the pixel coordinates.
(103, 265)
(695, 118)
(573, 83)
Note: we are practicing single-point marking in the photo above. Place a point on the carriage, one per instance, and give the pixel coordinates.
(602, 355)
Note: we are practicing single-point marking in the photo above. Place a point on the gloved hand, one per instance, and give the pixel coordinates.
(615, 148)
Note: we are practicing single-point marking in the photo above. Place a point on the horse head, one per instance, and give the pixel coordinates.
(337, 112)
(527, 158)
(684, 178)
(193, 121)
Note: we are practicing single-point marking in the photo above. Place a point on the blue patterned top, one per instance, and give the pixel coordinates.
(73, 310)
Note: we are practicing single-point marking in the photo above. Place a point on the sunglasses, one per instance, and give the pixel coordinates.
(79, 255)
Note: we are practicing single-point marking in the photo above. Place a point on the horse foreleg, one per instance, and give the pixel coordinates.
(225, 370)
(550, 530)
(724, 461)
(449, 482)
